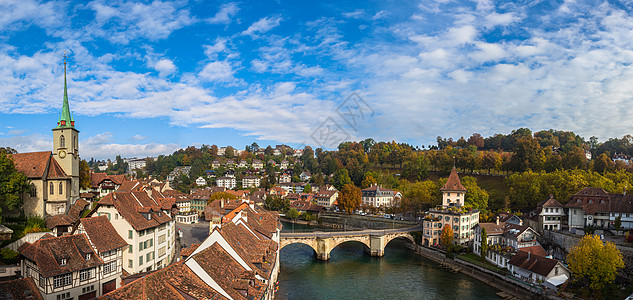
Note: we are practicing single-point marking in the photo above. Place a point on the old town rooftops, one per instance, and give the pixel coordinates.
(102, 234)
(533, 262)
(60, 255)
(137, 208)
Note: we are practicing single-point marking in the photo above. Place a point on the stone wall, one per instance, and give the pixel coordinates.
(562, 243)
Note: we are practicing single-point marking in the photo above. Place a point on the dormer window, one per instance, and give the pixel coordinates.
(62, 262)
(87, 256)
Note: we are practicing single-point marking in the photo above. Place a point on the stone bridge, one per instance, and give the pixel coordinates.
(323, 242)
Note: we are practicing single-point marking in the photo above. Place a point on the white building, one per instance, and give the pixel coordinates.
(136, 163)
(504, 240)
(595, 207)
(537, 269)
(143, 218)
(257, 164)
(548, 215)
(284, 178)
(377, 196)
(227, 182)
(251, 181)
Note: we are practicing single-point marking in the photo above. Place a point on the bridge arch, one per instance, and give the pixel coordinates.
(311, 243)
(391, 237)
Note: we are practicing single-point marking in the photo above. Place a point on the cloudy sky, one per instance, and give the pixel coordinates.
(149, 78)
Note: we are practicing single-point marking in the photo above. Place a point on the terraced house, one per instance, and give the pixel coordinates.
(144, 218)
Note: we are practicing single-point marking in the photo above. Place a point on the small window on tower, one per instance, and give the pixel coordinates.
(60, 187)
(52, 188)
(62, 141)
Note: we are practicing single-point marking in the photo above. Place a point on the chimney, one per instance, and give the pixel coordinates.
(497, 220)
(221, 203)
(520, 222)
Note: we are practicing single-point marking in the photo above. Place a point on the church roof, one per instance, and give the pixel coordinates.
(453, 183)
(65, 119)
(32, 164)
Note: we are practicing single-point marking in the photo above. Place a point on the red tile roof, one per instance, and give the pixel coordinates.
(32, 164)
(453, 183)
(533, 262)
(102, 234)
(55, 171)
(20, 289)
(538, 250)
(47, 253)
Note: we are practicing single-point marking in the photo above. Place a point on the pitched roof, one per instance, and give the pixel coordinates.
(453, 183)
(102, 234)
(55, 171)
(549, 202)
(20, 289)
(32, 164)
(47, 253)
(533, 262)
(133, 206)
(536, 249)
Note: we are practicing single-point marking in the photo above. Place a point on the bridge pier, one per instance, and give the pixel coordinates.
(377, 245)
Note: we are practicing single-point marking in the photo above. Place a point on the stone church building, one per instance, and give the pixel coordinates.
(54, 175)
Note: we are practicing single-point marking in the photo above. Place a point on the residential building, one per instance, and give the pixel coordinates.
(242, 164)
(238, 260)
(450, 213)
(215, 164)
(626, 159)
(136, 163)
(298, 153)
(257, 164)
(103, 184)
(378, 196)
(143, 217)
(185, 214)
(537, 269)
(284, 164)
(595, 207)
(305, 175)
(250, 181)
(271, 163)
(182, 170)
(81, 266)
(504, 240)
(227, 182)
(326, 197)
(284, 178)
(548, 215)
(230, 163)
(221, 151)
(293, 187)
(53, 175)
(63, 224)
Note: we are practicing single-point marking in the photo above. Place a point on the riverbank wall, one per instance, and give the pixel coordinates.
(498, 281)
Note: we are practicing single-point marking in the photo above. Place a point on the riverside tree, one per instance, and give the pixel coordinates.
(446, 239)
(349, 199)
(594, 263)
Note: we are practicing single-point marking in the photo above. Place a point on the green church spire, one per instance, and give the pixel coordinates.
(65, 120)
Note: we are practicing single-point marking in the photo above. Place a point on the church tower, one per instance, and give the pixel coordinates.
(453, 192)
(66, 144)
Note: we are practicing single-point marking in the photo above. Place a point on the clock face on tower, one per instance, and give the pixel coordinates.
(62, 153)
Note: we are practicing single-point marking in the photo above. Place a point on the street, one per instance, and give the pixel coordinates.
(193, 233)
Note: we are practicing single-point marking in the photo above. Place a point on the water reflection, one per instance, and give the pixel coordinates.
(352, 274)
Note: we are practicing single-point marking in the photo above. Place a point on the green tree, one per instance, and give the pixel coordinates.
(276, 203)
(446, 238)
(594, 263)
(293, 214)
(349, 199)
(476, 196)
(341, 178)
(13, 185)
(420, 196)
(618, 223)
(484, 242)
(307, 188)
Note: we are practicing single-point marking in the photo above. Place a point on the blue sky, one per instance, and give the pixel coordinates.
(146, 78)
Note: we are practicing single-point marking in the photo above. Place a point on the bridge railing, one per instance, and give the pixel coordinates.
(347, 233)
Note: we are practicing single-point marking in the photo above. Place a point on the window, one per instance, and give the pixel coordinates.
(140, 260)
(86, 274)
(130, 263)
(140, 246)
(130, 249)
(62, 262)
(151, 242)
(62, 280)
(42, 280)
(63, 296)
(116, 216)
(148, 256)
(33, 191)
(145, 244)
(129, 234)
(62, 141)
(60, 187)
(52, 188)
(87, 256)
(109, 267)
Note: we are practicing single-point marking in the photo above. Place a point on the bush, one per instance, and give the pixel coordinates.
(35, 224)
(8, 257)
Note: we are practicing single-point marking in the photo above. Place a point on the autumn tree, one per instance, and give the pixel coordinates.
(12, 185)
(349, 199)
(420, 196)
(594, 263)
(446, 238)
(84, 175)
(368, 181)
(221, 195)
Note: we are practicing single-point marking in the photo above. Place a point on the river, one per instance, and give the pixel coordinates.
(352, 274)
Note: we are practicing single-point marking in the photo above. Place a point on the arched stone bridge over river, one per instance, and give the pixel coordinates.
(375, 240)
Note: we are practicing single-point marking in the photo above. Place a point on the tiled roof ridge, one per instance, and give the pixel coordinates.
(453, 183)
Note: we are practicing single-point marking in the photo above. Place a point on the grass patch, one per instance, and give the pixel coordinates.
(476, 259)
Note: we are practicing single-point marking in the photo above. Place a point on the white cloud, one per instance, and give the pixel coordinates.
(496, 19)
(101, 146)
(217, 71)
(225, 15)
(19, 13)
(164, 67)
(262, 25)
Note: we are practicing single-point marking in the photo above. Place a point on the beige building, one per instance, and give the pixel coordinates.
(451, 213)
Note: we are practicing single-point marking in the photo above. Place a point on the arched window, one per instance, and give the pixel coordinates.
(62, 141)
(52, 188)
(33, 191)
(61, 184)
